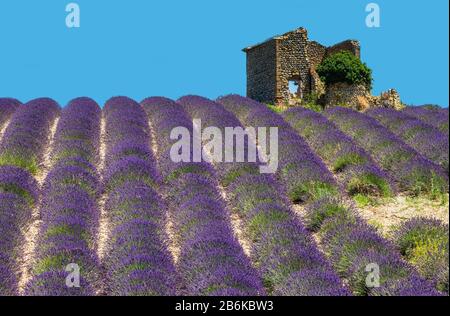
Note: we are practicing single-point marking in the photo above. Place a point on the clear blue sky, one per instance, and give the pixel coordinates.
(141, 48)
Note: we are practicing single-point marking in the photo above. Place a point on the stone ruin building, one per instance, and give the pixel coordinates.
(282, 71)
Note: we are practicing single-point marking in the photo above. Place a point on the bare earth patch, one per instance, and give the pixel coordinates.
(236, 225)
(169, 229)
(103, 225)
(173, 247)
(103, 222)
(390, 213)
(31, 232)
(3, 129)
(395, 211)
(299, 211)
(46, 164)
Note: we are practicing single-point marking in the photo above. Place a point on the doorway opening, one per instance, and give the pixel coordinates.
(295, 86)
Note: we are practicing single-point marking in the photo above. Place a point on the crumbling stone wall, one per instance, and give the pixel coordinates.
(359, 98)
(272, 64)
(292, 64)
(291, 56)
(349, 45)
(387, 99)
(343, 94)
(316, 53)
(261, 72)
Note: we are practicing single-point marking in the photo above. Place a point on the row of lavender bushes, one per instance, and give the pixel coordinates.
(304, 175)
(349, 242)
(359, 174)
(68, 211)
(18, 195)
(281, 248)
(423, 242)
(210, 262)
(433, 115)
(7, 107)
(27, 133)
(137, 243)
(413, 172)
(424, 138)
(137, 261)
(21, 150)
(359, 254)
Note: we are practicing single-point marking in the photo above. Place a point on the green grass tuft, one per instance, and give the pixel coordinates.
(23, 161)
(351, 159)
(369, 185)
(311, 191)
(191, 168)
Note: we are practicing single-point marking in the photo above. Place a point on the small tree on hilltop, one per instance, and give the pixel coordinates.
(345, 67)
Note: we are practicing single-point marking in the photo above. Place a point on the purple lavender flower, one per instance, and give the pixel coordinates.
(413, 172)
(211, 261)
(302, 172)
(53, 283)
(18, 181)
(356, 249)
(137, 261)
(311, 283)
(424, 138)
(433, 115)
(257, 198)
(424, 243)
(7, 108)
(26, 135)
(68, 210)
(14, 214)
(130, 168)
(360, 174)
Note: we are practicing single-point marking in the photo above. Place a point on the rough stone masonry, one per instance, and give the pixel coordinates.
(290, 60)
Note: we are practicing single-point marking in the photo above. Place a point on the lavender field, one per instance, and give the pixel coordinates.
(92, 204)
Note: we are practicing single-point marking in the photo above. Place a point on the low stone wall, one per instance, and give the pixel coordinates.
(359, 98)
(343, 94)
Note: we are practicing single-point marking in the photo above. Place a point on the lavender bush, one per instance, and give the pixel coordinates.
(433, 115)
(424, 243)
(137, 261)
(414, 173)
(18, 193)
(67, 236)
(211, 261)
(78, 132)
(19, 182)
(7, 108)
(424, 138)
(359, 173)
(26, 135)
